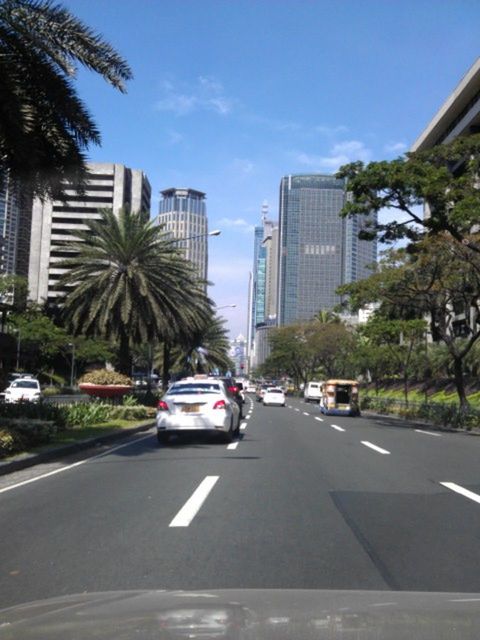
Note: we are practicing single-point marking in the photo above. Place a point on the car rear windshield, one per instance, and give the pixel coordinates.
(203, 387)
(25, 384)
(274, 391)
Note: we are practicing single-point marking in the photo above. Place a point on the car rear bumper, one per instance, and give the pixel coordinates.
(175, 424)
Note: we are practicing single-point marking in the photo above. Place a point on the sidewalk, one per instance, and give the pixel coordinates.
(418, 424)
(51, 452)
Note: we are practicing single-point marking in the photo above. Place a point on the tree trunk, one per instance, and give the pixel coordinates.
(124, 355)
(460, 382)
(166, 365)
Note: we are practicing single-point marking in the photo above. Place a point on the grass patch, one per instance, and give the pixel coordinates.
(76, 434)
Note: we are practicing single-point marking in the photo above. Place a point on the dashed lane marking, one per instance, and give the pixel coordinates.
(428, 433)
(194, 503)
(375, 448)
(462, 491)
(233, 445)
(335, 426)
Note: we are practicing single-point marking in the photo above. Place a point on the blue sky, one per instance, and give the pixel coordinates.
(230, 95)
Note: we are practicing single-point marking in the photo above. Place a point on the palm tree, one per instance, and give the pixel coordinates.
(44, 126)
(205, 348)
(325, 316)
(129, 282)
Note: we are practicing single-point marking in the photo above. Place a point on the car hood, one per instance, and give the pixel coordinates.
(247, 614)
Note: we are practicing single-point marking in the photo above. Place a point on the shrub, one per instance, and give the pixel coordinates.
(132, 413)
(33, 432)
(27, 410)
(129, 401)
(104, 376)
(86, 414)
(10, 442)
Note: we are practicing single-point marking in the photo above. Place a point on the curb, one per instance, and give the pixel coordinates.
(25, 460)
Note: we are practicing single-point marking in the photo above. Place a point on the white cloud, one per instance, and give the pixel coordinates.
(340, 153)
(206, 94)
(330, 131)
(395, 147)
(237, 223)
(174, 137)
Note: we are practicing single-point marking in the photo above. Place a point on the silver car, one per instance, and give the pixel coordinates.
(198, 405)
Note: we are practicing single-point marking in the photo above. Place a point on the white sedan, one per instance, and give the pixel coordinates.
(23, 390)
(198, 405)
(274, 396)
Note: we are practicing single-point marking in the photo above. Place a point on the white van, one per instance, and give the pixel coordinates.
(313, 392)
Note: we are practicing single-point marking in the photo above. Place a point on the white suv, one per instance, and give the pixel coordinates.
(313, 392)
(23, 390)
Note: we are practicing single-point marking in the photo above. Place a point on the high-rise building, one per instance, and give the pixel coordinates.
(15, 214)
(54, 223)
(183, 214)
(318, 250)
(262, 296)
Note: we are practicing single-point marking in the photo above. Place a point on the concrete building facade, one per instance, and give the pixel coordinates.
(183, 213)
(317, 249)
(54, 223)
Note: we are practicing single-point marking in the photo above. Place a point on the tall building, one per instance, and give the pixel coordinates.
(318, 250)
(54, 223)
(15, 214)
(183, 214)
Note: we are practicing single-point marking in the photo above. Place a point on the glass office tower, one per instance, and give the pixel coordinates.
(318, 250)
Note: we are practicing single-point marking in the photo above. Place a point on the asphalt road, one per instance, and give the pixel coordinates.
(301, 501)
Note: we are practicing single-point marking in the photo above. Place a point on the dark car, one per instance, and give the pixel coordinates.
(234, 390)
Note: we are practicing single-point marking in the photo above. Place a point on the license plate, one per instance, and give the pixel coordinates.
(191, 408)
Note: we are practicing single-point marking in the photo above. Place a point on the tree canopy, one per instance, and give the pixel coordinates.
(445, 177)
(45, 128)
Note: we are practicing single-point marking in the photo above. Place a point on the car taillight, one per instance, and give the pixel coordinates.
(233, 389)
(162, 405)
(220, 404)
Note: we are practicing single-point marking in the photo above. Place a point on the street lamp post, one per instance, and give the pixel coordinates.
(72, 367)
(19, 342)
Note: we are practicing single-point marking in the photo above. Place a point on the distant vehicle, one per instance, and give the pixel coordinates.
(274, 396)
(340, 397)
(313, 392)
(241, 389)
(198, 405)
(250, 387)
(233, 389)
(259, 391)
(23, 390)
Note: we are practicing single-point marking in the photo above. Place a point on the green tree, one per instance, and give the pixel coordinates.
(129, 283)
(45, 128)
(438, 278)
(445, 177)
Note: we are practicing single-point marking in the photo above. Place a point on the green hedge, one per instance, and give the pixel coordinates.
(19, 434)
(445, 415)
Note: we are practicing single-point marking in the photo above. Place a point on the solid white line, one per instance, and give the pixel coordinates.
(428, 433)
(243, 426)
(465, 600)
(305, 413)
(233, 445)
(464, 492)
(193, 504)
(375, 448)
(335, 426)
(71, 466)
(319, 419)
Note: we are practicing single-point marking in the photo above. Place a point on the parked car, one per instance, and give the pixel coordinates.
(313, 392)
(274, 396)
(198, 405)
(23, 390)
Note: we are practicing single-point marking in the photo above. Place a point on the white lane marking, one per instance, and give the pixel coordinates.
(335, 426)
(305, 413)
(428, 433)
(464, 492)
(243, 426)
(375, 448)
(247, 417)
(71, 466)
(296, 409)
(319, 419)
(193, 504)
(233, 445)
(465, 600)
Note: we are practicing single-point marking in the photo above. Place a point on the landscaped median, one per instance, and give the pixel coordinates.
(29, 428)
(442, 415)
